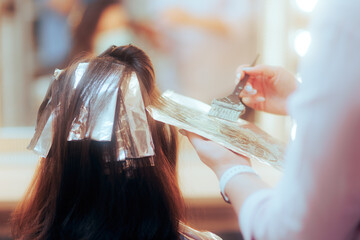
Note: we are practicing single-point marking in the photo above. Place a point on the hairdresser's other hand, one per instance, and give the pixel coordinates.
(268, 87)
(215, 156)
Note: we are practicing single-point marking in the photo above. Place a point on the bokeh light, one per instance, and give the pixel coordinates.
(302, 42)
(306, 5)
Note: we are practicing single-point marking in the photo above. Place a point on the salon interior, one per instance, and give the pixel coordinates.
(195, 47)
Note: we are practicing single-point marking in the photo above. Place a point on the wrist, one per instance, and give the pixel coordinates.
(232, 173)
(221, 169)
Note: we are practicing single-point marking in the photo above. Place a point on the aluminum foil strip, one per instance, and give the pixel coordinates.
(97, 124)
(241, 137)
(132, 131)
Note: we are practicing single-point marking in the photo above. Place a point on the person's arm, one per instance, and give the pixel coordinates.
(319, 194)
(220, 159)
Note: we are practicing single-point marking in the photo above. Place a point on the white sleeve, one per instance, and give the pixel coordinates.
(319, 194)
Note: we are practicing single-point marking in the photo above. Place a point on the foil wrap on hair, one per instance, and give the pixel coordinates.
(241, 137)
(131, 129)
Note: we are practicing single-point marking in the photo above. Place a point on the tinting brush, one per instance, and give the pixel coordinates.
(231, 108)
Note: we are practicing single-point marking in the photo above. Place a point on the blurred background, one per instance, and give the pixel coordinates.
(195, 47)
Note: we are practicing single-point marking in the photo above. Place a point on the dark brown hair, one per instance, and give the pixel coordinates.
(81, 191)
(84, 32)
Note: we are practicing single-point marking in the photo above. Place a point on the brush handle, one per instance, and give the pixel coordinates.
(240, 86)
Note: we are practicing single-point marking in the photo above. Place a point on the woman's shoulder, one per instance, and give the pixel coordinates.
(188, 233)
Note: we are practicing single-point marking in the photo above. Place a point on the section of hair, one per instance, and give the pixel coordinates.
(81, 191)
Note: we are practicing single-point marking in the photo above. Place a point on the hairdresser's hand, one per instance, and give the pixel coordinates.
(268, 88)
(215, 156)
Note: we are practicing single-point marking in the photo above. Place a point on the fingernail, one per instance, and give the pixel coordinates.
(246, 100)
(253, 92)
(182, 132)
(248, 88)
(238, 75)
(260, 99)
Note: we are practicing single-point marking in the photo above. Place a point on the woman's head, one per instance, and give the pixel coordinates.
(81, 190)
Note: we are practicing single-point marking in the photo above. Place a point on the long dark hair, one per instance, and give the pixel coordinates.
(80, 190)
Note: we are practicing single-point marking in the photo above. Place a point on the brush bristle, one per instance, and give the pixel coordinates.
(223, 111)
(231, 105)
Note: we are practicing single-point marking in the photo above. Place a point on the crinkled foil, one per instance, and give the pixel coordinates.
(97, 124)
(241, 137)
(131, 129)
(42, 139)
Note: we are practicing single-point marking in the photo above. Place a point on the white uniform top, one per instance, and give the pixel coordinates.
(319, 195)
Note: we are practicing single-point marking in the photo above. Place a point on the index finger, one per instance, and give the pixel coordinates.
(259, 70)
(240, 72)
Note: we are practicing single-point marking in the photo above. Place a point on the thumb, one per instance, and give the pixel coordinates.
(196, 140)
(251, 71)
(202, 145)
(261, 69)
(256, 70)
